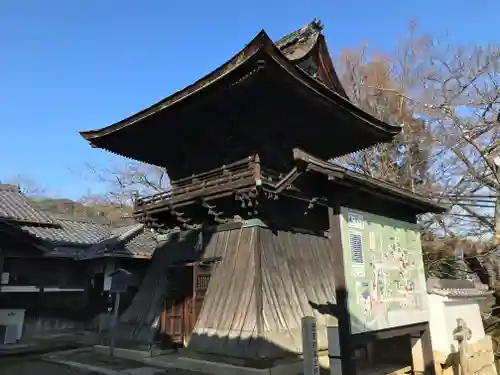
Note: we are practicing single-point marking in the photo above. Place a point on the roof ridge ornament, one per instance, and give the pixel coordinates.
(316, 24)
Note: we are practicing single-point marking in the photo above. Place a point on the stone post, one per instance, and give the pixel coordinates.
(310, 346)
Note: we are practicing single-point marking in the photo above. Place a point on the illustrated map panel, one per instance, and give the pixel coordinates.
(384, 272)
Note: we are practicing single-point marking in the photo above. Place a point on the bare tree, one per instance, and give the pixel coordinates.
(459, 98)
(373, 83)
(447, 100)
(124, 180)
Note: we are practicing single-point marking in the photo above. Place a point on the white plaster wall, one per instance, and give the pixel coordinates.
(437, 323)
(444, 313)
(13, 317)
(468, 311)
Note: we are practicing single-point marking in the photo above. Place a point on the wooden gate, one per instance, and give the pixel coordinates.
(174, 322)
(189, 285)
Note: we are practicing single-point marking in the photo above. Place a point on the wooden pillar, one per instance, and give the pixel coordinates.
(417, 355)
(1, 260)
(1, 269)
(427, 352)
(347, 363)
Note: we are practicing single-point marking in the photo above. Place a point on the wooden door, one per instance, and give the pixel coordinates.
(173, 323)
(201, 274)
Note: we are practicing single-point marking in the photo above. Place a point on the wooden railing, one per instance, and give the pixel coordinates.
(201, 183)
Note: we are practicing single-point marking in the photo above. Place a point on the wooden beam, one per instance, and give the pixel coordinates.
(348, 364)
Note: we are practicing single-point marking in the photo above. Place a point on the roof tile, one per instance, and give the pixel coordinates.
(460, 288)
(71, 232)
(133, 240)
(15, 206)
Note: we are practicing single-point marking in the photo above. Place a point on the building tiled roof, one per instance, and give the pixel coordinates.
(85, 239)
(134, 240)
(69, 236)
(456, 288)
(71, 232)
(14, 206)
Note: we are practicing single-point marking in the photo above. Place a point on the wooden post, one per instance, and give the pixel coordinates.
(427, 352)
(310, 346)
(417, 355)
(348, 364)
(1, 261)
(115, 320)
(1, 267)
(462, 334)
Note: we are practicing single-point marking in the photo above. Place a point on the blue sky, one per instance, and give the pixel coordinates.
(69, 65)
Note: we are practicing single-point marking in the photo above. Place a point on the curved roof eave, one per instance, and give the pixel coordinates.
(324, 91)
(260, 42)
(325, 59)
(237, 60)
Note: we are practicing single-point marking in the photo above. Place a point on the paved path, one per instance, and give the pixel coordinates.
(36, 366)
(91, 362)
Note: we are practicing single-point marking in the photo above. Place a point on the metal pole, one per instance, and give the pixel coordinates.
(115, 320)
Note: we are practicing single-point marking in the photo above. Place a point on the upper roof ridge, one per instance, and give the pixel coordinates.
(314, 27)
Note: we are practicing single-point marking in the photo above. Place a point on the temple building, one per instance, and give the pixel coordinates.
(259, 228)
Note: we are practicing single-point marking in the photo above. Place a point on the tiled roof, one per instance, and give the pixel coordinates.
(73, 237)
(456, 288)
(72, 231)
(84, 239)
(130, 241)
(15, 207)
(462, 293)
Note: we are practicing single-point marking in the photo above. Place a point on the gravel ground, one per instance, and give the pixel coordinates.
(36, 366)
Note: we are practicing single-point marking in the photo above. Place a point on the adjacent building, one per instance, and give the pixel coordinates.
(55, 268)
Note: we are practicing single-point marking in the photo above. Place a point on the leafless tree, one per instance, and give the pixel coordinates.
(447, 100)
(446, 97)
(372, 82)
(124, 180)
